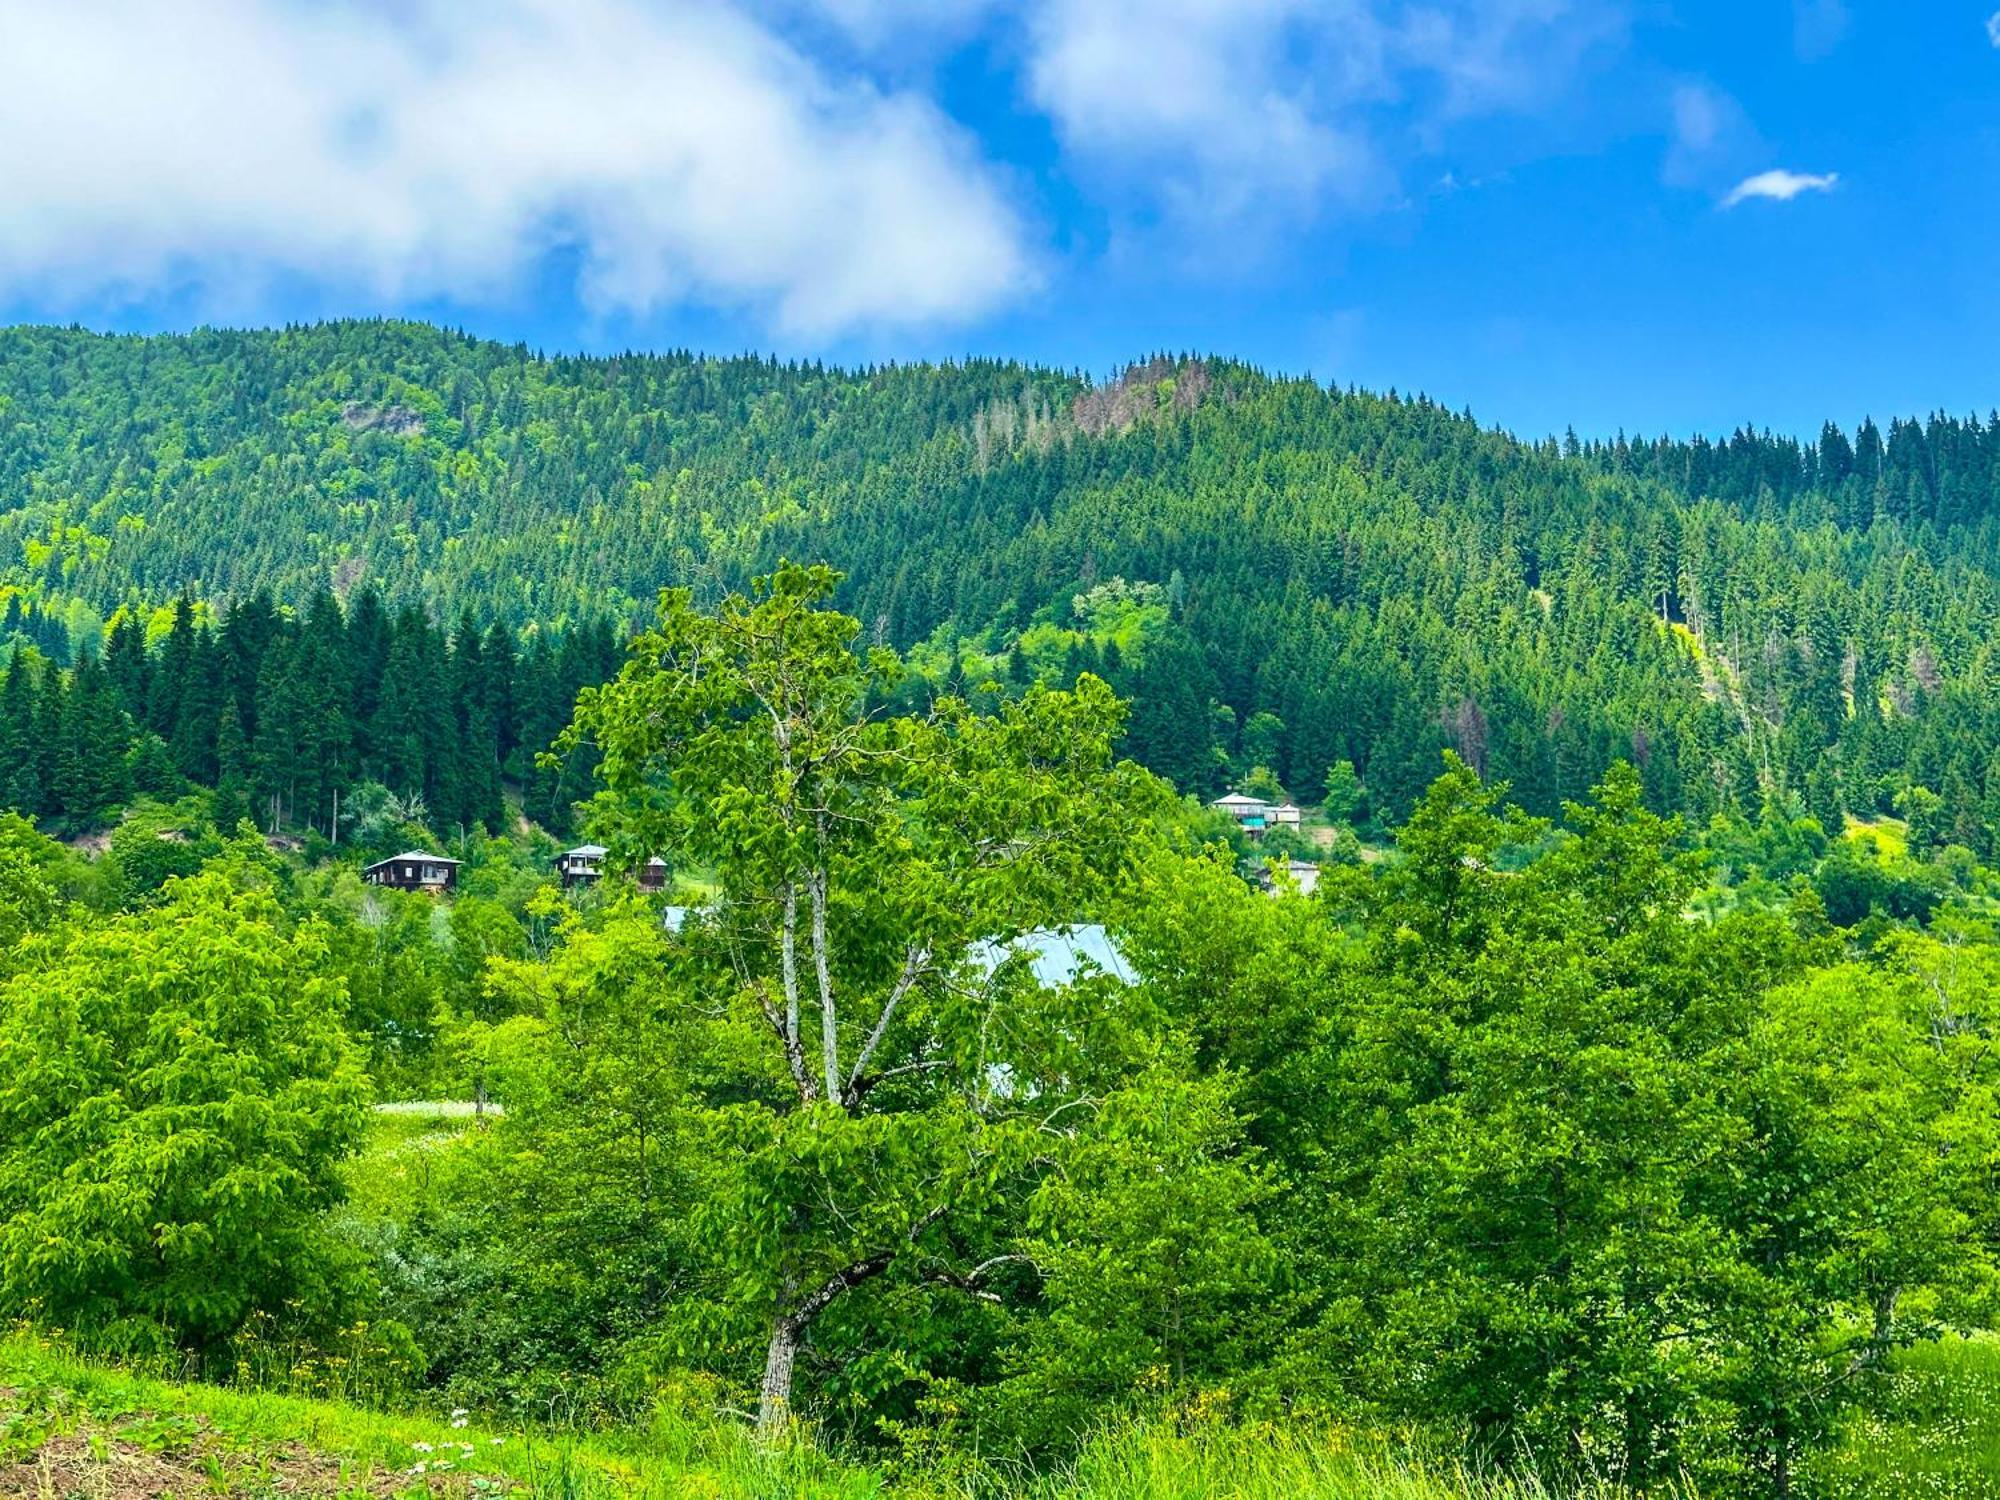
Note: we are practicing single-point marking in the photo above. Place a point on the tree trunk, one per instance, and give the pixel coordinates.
(774, 1401)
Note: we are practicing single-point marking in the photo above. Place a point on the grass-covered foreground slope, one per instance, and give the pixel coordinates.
(69, 1428)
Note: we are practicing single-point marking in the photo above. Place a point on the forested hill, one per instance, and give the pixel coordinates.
(1278, 574)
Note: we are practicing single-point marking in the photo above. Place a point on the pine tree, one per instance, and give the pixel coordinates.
(55, 769)
(397, 734)
(207, 690)
(246, 635)
(319, 705)
(1170, 730)
(497, 653)
(127, 663)
(20, 788)
(279, 723)
(233, 768)
(100, 734)
(172, 670)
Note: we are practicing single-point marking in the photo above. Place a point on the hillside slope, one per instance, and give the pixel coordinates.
(1340, 575)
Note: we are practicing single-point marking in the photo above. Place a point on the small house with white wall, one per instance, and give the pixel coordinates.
(582, 865)
(1252, 814)
(1277, 876)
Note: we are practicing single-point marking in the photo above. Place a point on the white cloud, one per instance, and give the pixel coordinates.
(1780, 186)
(1221, 110)
(1200, 100)
(1492, 55)
(1703, 117)
(1993, 28)
(425, 150)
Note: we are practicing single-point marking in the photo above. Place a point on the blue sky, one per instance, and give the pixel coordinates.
(1656, 215)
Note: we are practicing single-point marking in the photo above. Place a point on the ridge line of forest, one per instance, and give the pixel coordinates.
(1282, 576)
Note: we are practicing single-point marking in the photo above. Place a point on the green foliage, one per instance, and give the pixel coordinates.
(1342, 794)
(1379, 575)
(1854, 883)
(1152, 1280)
(1561, 1133)
(177, 1094)
(32, 885)
(154, 844)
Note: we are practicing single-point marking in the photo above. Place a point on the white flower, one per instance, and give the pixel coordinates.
(458, 1421)
(421, 1447)
(419, 1468)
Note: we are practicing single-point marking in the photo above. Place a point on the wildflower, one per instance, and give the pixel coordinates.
(420, 1447)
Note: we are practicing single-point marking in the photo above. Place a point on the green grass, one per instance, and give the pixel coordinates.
(1291, 1461)
(393, 1170)
(1940, 1434)
(96, 1431)
(1889, 836)
(71, 1427)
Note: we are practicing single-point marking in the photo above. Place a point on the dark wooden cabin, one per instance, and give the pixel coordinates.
(414, 871)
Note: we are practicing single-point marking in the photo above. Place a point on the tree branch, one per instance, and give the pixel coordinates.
(915, 963)
(1048, 1121)
(858, 1088)
(852, 1275)
(970, 1282)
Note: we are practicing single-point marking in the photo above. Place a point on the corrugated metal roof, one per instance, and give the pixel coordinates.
(415, 856)
(1059, 955)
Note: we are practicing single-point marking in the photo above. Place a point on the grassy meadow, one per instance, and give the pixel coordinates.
(71, 1428)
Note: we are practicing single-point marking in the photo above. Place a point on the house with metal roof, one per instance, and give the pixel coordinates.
(1058, 955)
(583, 865)
(1252, 814)
(414, 870)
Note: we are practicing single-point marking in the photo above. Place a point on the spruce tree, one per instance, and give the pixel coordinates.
(172, 670)
(20, 787)
(233, 768)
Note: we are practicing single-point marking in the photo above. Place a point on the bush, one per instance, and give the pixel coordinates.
(176, 1095)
